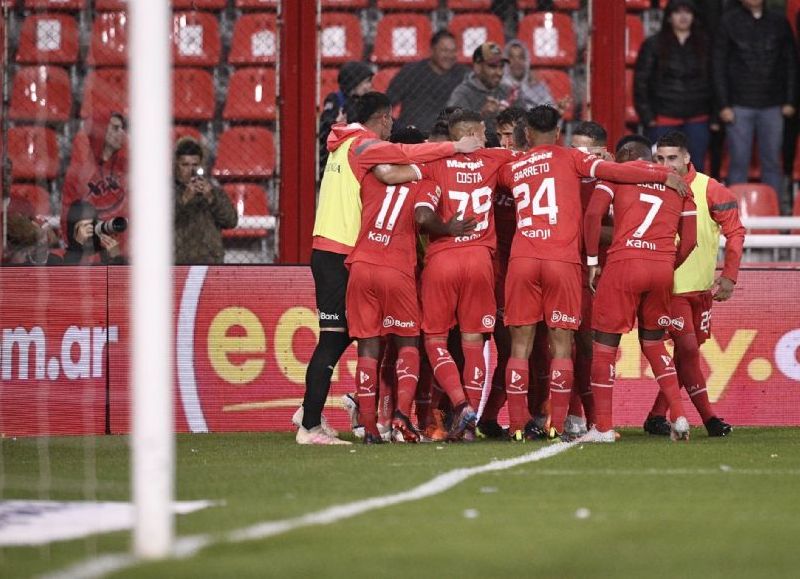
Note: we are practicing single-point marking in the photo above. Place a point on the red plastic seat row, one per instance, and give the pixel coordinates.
(37, 196)
(245, 153)
(756, 200)
(48, 39)
(41, 93)
(250, 200)
(34, 153)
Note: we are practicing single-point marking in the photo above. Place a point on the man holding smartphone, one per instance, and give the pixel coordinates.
(202, 209)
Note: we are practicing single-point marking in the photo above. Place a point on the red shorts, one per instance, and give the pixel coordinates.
(691, 312)
(458, 288)
(633, 288)
(539, 289)
(381, 301)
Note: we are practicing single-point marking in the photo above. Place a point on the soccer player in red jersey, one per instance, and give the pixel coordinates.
(382, 294)
(695, 288)
(544, 272)
(636, 282)
(589, 137)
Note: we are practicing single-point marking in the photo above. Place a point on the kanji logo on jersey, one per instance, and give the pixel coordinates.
(488, 321)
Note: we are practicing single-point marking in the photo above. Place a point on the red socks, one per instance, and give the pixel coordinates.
(517, 393)
(474, 371)
(604, 359)
(562, 377)
(444, 368)
(666, 376)
(366, 383)
(687, 362)
(407, 377)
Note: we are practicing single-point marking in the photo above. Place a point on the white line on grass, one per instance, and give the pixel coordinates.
(191, 545)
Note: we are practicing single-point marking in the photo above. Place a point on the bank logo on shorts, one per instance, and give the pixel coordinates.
(390, 322)
(665, 321)
(324, 316)
(488, 321)
(562, 317)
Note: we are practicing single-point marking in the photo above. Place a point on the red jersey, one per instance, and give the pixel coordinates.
(388, 234)
(467, 182)
(647, 217)
(545, 184)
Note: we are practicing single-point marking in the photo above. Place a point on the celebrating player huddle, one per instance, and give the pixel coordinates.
(538, 281)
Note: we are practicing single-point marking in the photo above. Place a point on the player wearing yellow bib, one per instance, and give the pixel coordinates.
(695, 288)
(354, 150)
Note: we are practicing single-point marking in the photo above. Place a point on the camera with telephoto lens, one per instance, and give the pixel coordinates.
(112, 226)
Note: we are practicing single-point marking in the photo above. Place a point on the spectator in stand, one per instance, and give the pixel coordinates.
(355, 79)
(755, 78)
(98, 170)
(202, 209)
(86, 245)
(422, 88)
(27, 239)
(481, 90)
(524, 90)
(672, 81)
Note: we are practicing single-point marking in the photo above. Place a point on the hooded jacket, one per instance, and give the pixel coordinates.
(91, 252)
(103, 183)
(527, 92)
(754, 60)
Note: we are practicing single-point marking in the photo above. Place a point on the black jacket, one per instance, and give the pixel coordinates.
(671, 79)
(754, 60)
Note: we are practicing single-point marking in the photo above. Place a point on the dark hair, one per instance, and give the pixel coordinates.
(446, 112)
(443, 33)
(408, 135)
(510, 116)
(633, 139)
(520, 137)
(440, 129)
(673, 139)
(543, 118)
(187, 146)
(464, 116)
(367, 105)
(593, 130)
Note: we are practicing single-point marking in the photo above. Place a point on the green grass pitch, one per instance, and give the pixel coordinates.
(651, 508)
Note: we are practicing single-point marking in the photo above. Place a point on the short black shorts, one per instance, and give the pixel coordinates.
(330, 285)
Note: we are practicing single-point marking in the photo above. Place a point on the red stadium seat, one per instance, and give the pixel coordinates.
(51, 5)
(472, 30)
(245, 153)
(195, 39)
(109, 44)
(181, 131)
(37, 196)
(382, 78)
(341, 38)
(549, 38)
(631, 117)
(192, 95)
(637, 5)
(560, 87)
(426, 5)
(328, 83)
(257, 4)
(250, 201)
(33, 152)
(345, 4)
(110, 5)
(634, 36)
(41, 93)
(251, 95)
(402, 38)
(48, 39)
(199, 4)
(105, 89)
(469, 5)
(565, 5)
(756, 200)
(255, 39)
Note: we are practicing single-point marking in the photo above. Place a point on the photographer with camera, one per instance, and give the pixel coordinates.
(202, 209)
(90, 240)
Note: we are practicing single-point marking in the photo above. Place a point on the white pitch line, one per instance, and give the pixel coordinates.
(191, 545)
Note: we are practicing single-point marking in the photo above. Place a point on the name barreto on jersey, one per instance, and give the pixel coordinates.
(532, 165)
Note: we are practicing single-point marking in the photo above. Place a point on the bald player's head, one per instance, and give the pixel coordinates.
(633, 148)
